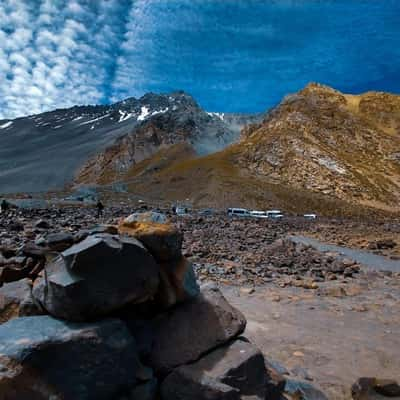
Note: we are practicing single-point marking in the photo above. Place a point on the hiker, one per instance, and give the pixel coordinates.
(4, 206)
(100, 208)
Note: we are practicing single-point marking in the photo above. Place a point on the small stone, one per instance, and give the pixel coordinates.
(42, 224)
(247, 290)
(387, 387)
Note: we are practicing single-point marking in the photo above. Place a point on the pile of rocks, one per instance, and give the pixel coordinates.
(120, 316)
(281, 260)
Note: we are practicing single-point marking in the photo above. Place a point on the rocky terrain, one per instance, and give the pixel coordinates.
(58, 144)
(291, 295)
(381, 237)
(78, 330)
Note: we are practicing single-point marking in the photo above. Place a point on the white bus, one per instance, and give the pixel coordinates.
(238, 212)
(258, 214)
(310, 216)
(274, 214)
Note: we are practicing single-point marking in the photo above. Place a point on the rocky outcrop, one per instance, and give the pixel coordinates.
(330, 143)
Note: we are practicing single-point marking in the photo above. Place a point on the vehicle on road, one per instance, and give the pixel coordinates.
(258, 214)
(274, 214)
(310, 216)
(238, 212)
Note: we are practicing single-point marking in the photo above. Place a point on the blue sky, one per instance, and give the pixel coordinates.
(231, 55)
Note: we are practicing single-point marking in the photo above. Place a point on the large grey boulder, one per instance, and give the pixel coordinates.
(235, 371)
(192, 329)
(45, 358)
(96, 276)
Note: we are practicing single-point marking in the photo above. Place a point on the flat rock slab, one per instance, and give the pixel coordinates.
(192, 329)
(235, 371)
(43, 358)
(96, 276)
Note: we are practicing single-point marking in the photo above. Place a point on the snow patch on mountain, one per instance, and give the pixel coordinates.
(144, 112)
(124, 115)
(221, 116)
(6, 125)
(331, 165)
(94, 120)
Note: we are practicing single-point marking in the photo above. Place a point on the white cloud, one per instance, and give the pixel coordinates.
(56, 53)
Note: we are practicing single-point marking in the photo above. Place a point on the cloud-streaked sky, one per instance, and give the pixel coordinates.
(231, 55)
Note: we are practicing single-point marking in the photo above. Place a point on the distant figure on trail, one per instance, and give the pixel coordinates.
(100, 208)
(4, 206)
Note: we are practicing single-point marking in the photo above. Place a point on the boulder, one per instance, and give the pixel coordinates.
(163, 240)
(177, 282)
(43, 358)
(192, 329)
(150, 216)
(96, 276)
(42, 224)
(374, 389)
(111, 229)
(16, 268)
(387, 387)
(11, 297)
(235, 371)
(59, 241)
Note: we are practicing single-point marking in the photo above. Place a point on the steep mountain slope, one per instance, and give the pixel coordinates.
(188, 123)
(318, 150)
(326, 142)
(44, 151)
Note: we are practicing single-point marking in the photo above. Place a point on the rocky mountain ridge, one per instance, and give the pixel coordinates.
(318, 149)
(43, 152)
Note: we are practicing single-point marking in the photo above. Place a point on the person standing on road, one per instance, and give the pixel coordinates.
(4, 206)
(100, 209)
